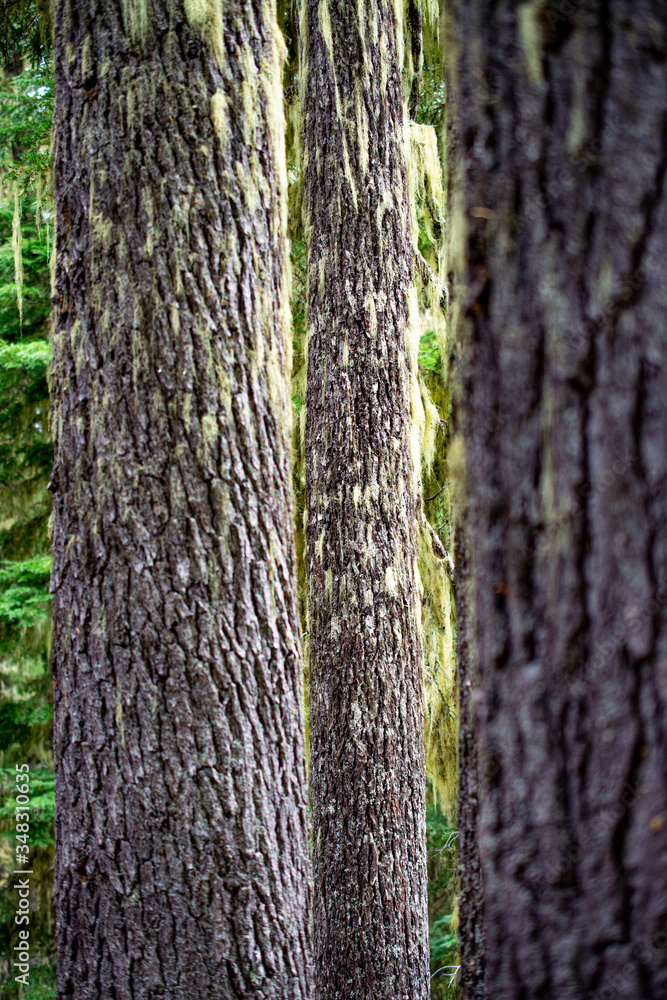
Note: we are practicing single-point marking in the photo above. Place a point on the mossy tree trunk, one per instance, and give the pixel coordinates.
(562, 401)
(181, 822)
(362, 461)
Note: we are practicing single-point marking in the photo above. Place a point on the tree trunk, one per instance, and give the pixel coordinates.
(471, 894)
(362, 455)
(181, 819)
(562, 398)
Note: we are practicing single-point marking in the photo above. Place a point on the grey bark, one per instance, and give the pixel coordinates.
(181, 814)
(367, 756)
(562, 401)
(471, 893)
(415, 25)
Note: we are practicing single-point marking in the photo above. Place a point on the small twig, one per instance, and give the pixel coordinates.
(437, 546)
(453, 977)
(436, 494)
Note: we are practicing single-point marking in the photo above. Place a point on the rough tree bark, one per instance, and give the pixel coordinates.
(362, 461)
(181, 820)
(562, 401)
(471, 894)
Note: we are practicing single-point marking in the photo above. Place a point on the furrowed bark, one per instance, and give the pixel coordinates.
(181, 817)
(562, 398)
(471, 896)
(362, 461)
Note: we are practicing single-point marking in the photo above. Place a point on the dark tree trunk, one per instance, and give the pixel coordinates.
(181, 823)
(362, 461)
(415, 25)
(562, 398)
(471, 894)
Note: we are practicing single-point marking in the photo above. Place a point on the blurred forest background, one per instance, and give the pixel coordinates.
(26, 253)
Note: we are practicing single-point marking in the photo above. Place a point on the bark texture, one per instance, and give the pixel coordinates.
(562, 398)
(471, 894)
(362, 461)
(181, 819)
(471, 975)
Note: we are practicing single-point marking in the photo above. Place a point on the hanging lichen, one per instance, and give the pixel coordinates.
(425, 181)
(17, 247)
(438, 616)
(441, 716)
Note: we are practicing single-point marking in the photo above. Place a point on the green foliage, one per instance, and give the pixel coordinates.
(442, 850)
(433, 98)
(444, 942)
(429, 352)
(298, 403)
(42, 806)
(26, 700)
(24, 719)
(32, 357)
(26, 712)
(25, 447)
(42, 984)
(40, 842)
(33, 573)
(425, 244)
(37, 242)
(25, 31)
(24, 591)
(298, 301)
(26, 111)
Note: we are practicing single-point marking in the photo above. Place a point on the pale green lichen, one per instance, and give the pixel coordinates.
(412, 336)
(428, 302)
(119, 713)
(532, 37)
(87, 58)
(272, 81)
(425, 183)
(219, 115)
(577, 132)
(135, 19)
(361, 117)
(51, 256)
(206, 15)
(399, 22)
(17, 247)
(324, 23)
(432, 425)
(440, 695)
(431, 11)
